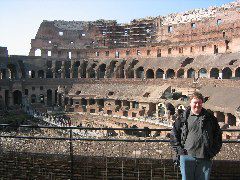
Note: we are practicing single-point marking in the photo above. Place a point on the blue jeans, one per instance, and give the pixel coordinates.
(195, 168)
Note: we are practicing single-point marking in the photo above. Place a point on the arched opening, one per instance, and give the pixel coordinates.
(12, 71)
(140, 72)
(91, 71)
(58, 69)
(214, 73)
(92, 101)
(170, 73)
(17, 97)
(111, 68)
(33, 98)
(83, 69)
(102, 71)
(159, 73)
(32, 74)
(49, 97)
(84, 102)
(226, 73)
(231, 120)
(41, 98)
(49, 73)
(150, 74)
(220, 116)
(202, 73)
(40, 74)
(237, 72)
(120, 70)
(75, 69)
(180, 73)
(38, 52)
(3, 74)
(161, 110)
(191, 73)
(67, 68)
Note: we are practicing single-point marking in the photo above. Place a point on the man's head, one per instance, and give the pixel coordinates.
(196, 101)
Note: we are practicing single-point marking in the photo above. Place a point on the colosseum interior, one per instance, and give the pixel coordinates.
(141, 72)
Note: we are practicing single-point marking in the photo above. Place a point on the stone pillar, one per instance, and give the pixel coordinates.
(220, 75)
(226, 118)
(237, 121)
(164, 76)
(185, 74)
(79, 72)
(233, 73)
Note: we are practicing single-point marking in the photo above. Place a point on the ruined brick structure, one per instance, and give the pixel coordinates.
(144, 68)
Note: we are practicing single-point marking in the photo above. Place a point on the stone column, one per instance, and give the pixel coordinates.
(226, 118)
(220, 76)
(164, 76)
(79, 72)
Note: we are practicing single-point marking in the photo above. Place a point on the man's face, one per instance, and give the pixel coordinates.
(196, 105)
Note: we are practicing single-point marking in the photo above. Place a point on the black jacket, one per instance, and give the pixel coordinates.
(212, 134)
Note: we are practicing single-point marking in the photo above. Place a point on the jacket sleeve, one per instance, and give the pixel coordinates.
(175, 138)
(217, 137)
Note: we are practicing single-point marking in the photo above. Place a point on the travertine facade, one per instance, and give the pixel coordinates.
(141, 69)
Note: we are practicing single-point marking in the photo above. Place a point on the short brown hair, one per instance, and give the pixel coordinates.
(197, 95)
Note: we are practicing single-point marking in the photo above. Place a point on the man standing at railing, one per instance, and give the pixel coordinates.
(196, 138)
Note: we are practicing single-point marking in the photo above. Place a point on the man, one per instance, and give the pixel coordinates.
(196, 138)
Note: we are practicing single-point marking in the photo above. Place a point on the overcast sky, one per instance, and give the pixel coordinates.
(20, 19)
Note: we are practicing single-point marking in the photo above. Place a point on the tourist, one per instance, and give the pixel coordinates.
(196, 138)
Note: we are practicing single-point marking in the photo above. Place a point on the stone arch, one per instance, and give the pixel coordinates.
(202, 73)
(149, 74)
(102, 71)
(190, 73)
(33, 98)
(237, 72)
(140, 72)
(214, 73)
(40, 74)
(170, 73)
(49, 97)
(120, 70)
(180, 73)
(226, 73)
(38, 52)
(17, 97)
(159, 73)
